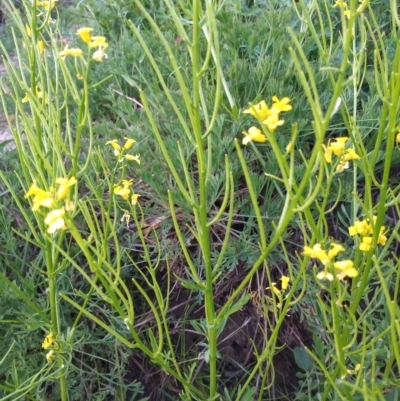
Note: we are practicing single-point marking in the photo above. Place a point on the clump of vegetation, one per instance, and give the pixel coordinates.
(202, 202)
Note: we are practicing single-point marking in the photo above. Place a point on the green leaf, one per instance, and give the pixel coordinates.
(248, 395)
(190, 285)
(302, 359)
(130, 81)
(238, 305)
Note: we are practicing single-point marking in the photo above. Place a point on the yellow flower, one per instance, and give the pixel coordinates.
(49, 355)
(346, 269)
(341, 4)
(275, 290)
(47, 5)
(41, 197)
(259, 110)
(41, 46)
(382, 237)
(39, 94)
(99, 54)
(357, 367)
(335, 250)
(352, 272)
(324, 275)
(327, 154)
(272, 122)
(367, 240)
(342, 166)
(48, 340)
(339, 146)
(84, 33)
(64, 184)
(360, 227)
(134, 199)
(127, 183)
(115, 145)
(366, 244)
(98, 41)
(343, 265)
(28, 30)
(364, 4)
(133, 158)
(126, 217)
(398, 137)
(55, 220)
(253, 134)
(281, 105)
(347, 13)
(69, 206)
(129, 142)
(285, 282)
(123, 190)
(70, 52)
(350, 154)
(316, 252)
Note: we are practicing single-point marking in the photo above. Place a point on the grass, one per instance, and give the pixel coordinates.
(173, 303)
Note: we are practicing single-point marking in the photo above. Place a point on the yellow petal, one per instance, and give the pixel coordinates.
(48, 340)
(129, 142)
(259, 110)
(133, 158)
(98, 55)
(49, 355)
(55, 220)
(254, 134)
(84, 33)
(285, 282)
(134, 199)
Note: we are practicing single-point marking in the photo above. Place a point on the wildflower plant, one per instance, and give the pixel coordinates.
(346, 317)
(80, 196)
(53, 134)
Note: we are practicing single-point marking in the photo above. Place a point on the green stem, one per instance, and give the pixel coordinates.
(202, 224)
(32, 62)
(54, 316)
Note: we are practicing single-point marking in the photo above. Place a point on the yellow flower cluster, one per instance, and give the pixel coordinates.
(39, 95)
(284, 285)
(343, 4)
(354, 371)
(124, 191)
(365, 229)
(120, 150)
(338, 148)
(41, 45)
(51, 200)
(269, 117)
(47, 343)
(47, 5)
(341, 269)
(48, 340)
(347, 11)
(95, 42)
